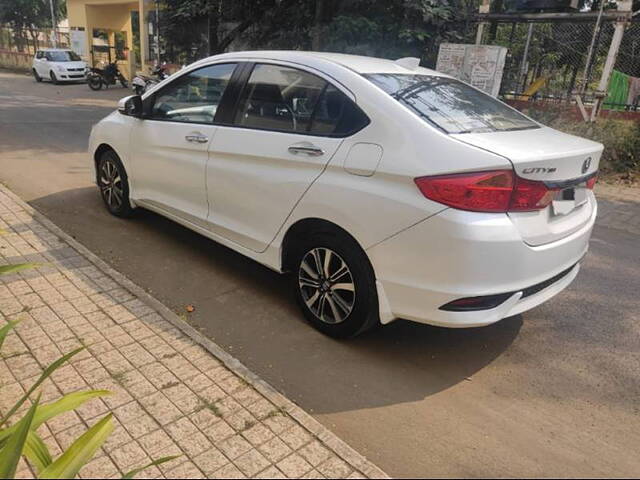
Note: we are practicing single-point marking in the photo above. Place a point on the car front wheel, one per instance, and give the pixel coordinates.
(335, 284)
(54, 79)
(114, 184)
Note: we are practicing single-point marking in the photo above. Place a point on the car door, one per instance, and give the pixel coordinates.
(287, 125)
(169, 146)
(40, 64)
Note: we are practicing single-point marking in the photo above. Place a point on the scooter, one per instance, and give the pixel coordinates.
(97, 77)
(141, 83)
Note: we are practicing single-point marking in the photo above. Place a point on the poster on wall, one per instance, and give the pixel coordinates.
(78, 40)
(480, 65)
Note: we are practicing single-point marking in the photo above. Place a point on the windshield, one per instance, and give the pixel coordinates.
(64, 56)
(451, 105)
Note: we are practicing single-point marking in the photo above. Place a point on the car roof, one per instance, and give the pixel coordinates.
(357, 63)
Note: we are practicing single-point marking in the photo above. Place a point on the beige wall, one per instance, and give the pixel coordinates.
(111, 15)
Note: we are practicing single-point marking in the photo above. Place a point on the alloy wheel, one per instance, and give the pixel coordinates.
(111, 184)
(327, 285)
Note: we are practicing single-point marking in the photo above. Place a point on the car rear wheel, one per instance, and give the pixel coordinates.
(334, 284)
(37, 77)
(114, 184)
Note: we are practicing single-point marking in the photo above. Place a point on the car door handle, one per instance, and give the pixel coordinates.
(196, 138)
(310, 150)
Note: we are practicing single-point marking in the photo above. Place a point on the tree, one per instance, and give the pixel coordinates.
(28, 15)
(388, 28)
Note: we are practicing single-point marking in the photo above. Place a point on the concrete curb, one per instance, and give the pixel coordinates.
(338, 446)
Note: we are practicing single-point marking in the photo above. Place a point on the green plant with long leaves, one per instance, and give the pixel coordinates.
(22, 439)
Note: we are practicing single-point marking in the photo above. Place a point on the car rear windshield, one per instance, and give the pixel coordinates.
(451, 105)
(65, 56)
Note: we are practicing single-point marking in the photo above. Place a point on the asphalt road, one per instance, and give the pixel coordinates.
(553, 393)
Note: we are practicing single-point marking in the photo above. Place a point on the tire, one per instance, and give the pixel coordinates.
(113, 184)
(37, 77)
(348, 310)
(94, 82)
(53, 78)
(123, 82)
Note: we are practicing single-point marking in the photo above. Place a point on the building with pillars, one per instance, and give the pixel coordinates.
(112, 30)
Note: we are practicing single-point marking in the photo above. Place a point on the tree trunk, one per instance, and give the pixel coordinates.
(572, 83)
(214, 11)
(316, 34)
(496, 7)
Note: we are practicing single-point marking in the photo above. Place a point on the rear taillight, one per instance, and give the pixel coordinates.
(592, 182)
(479, 191)
(494, 191)
(530, 195)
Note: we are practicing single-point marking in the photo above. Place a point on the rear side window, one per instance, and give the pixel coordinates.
(337, 115)
(39, 55)
(193, 97)
(291, 100)
(451, 105)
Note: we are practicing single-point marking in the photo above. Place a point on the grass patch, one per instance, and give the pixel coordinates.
(169, 385)
(278, 412)
(119, 378)
(211, 406)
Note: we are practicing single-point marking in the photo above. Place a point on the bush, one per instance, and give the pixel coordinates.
(621, 140)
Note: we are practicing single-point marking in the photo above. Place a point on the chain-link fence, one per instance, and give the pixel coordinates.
(555, 61)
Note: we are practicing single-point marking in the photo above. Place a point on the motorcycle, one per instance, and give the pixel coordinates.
(141, 83)
(97, 77)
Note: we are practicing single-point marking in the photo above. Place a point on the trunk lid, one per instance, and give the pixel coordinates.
(558, 159)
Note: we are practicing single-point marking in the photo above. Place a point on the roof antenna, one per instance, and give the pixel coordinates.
(410, 63)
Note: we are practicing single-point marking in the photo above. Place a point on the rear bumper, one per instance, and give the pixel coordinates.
(458, 254)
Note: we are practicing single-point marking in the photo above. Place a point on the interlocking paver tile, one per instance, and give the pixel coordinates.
(294, 466)
(228, 471)
(234, 446)
(270, 472)
(210, 461)
(218, 432)
(161, 408)
(170, 395)
(334, 467)
(251, 463)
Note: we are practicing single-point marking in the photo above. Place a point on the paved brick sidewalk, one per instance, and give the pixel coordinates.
(171, 394)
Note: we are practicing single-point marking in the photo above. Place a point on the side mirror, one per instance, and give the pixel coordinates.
(131, 105)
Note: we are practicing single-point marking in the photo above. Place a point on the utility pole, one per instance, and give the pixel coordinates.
(624, 10)
(157, 33)
(484, 8)
(524, 65)
(596, 34)
(54, 31)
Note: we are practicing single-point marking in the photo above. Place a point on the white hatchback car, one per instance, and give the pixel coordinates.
(386, 190)
(58, 65)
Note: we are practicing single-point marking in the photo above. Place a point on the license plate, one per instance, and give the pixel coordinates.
(568, 200)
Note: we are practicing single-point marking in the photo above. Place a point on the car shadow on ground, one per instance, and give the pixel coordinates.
(248, 310)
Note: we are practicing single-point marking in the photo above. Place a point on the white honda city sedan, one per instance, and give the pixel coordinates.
(385, 189)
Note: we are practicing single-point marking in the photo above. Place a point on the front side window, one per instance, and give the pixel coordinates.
(451, 105)
(291, 100)
(193, 97)
(63, 56)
